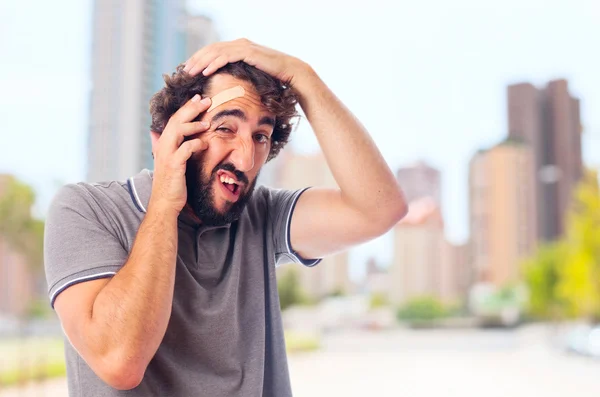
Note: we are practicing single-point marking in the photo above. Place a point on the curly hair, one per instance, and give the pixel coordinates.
(278, 97)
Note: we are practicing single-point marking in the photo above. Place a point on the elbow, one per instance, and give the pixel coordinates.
(122, 374)
(395, 213)
(399, 208)
(124, 381)
(401, 211)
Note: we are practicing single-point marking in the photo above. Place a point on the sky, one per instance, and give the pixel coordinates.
(428, 79)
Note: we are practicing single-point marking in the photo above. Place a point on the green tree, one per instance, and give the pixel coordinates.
(21, 231)
(421, 309)
(564, 277)
(542, 277)
(378, 300)
(288, 286)
(579, 278)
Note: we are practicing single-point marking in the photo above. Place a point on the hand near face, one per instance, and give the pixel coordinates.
(212, 57)
(172, 151)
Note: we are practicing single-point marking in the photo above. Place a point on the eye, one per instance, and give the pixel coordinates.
(261, 138)
(223, 129)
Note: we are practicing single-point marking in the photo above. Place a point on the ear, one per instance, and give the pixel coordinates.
(154, 139)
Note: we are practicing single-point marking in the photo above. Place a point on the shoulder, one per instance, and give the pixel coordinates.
(90, 198)
(274, 205)
(268, 199)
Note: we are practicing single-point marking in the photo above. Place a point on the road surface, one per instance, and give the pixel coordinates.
(428, 363)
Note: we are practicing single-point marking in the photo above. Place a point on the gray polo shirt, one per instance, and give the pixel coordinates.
(225, 336)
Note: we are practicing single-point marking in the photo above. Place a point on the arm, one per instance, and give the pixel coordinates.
(117, 325)
(369, 200)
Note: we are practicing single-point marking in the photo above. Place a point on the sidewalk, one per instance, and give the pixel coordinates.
(50, 388)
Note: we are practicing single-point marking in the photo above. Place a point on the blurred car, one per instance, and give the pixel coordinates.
(593, 342)
(576, 339)
(584, 340)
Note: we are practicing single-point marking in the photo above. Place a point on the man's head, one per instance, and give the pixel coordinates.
(245, 132)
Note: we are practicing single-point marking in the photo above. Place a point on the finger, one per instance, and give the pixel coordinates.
(200, 63)
(218, 63)
(191, 109)
(190, 129)
(177, 134)
(203, 57)
(197, 56)
(188, 148)
(231, 50)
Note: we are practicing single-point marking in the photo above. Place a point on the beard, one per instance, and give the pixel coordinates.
(201, 194)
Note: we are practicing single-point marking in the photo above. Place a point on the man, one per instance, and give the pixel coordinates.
(165, 284)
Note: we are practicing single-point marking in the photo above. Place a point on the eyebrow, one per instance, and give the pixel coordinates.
(266, 120)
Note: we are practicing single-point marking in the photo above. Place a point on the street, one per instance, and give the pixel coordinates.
(427, 363)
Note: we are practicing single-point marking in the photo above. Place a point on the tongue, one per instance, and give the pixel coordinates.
(231, 187)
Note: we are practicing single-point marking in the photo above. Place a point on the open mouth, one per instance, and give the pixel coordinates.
(230, 186)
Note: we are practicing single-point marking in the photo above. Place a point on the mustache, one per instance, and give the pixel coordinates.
(231, 168)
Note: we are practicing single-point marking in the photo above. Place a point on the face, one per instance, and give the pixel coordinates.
(220, 180)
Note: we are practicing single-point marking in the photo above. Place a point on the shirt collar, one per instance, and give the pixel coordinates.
(140, 188)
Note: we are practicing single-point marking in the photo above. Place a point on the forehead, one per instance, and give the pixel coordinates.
(249, 102)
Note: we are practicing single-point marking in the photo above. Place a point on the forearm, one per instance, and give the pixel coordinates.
(130, 314)
(365, 180)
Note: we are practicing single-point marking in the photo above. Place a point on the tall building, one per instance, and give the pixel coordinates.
(502, 211)
(454, 275)
(295, 171)
(548, 119)
(376, 279)
(420, 180)
(200, 31)
(134, 43)
(418, 244)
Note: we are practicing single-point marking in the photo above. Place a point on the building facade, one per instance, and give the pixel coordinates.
(548, 120)
(418, 243)
(455, 274)
(502, 212)
(420, 180)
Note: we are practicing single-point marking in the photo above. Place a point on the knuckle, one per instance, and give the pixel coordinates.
(210, 54)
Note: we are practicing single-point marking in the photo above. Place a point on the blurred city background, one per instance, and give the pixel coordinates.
(488, 112)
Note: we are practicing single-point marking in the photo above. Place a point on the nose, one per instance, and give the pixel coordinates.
(242, 155)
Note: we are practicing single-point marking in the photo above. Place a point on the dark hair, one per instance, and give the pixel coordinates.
(277, 96)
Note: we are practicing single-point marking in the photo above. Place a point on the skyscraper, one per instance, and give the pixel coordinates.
(549, 120)
(454, 275)
(200, 31)
(134, 43)
(420, 180)
(418, 247)
(502, 211)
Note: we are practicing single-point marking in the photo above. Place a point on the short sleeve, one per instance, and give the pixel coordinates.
(281, 204)
(78, 243)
